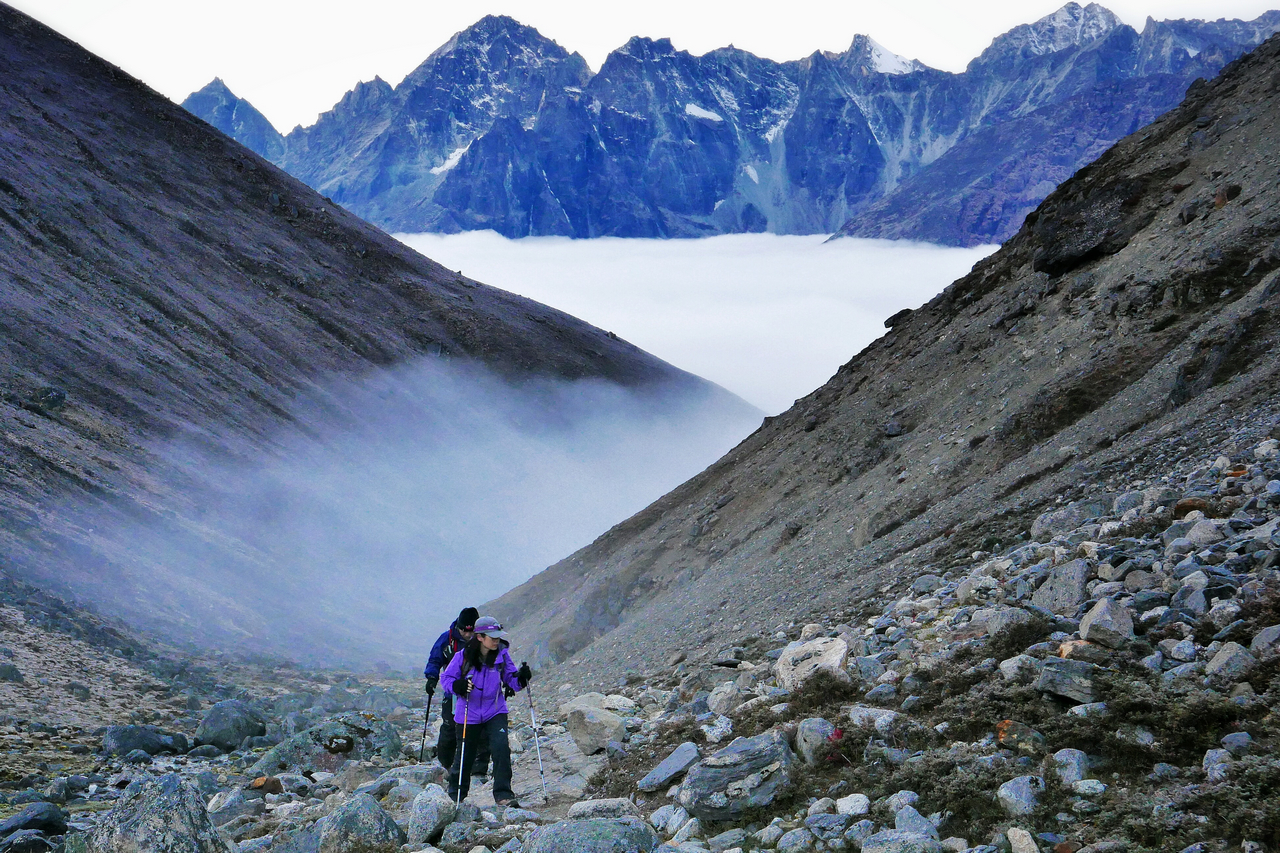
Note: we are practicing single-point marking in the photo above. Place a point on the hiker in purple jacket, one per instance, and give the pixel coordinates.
(481, 678)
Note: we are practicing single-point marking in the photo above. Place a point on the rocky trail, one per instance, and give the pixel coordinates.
(1109, 684)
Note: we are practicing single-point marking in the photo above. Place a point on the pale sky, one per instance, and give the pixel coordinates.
(294, 59)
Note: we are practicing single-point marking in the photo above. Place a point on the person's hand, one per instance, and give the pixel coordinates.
(507, 691)
(525, 675)
(432, 681)
(462, 687)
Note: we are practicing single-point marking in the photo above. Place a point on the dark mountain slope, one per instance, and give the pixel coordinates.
(163, 287)
(1138, 305)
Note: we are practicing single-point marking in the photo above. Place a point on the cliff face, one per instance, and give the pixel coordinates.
(163, 287)
(1134, 309)
(501, 128)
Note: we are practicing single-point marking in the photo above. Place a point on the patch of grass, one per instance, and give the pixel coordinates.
(1016, 638)
(620, 777)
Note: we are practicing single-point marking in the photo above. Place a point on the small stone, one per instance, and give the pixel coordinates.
(1088, 787)
(812, 739)
(1070, 765)
(1021, 841)
(1020, 796)
(907, 819)
(1232, 663)
(672, 767)
(1018, 666)
(1266, 642)
(800, 661)
(883, 693)
(1215, 764)
(1020, 737)
(798, 840)
(898, 841)
(1237, 743)
(900, 800)
(855, 805)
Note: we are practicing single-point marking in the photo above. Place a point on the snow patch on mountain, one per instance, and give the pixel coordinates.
(887, 62)
(451, 161)
(751, 173)
(698, 112)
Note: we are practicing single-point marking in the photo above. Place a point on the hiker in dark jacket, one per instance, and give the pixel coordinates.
(450, 643)
(482, 678)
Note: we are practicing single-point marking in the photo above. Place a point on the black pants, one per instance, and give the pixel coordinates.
(447, 744)
(493, 734)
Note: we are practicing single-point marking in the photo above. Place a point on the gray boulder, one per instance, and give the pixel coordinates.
(122, 740)
(811, 738)
(226, 806)
(430, 812)
(161, 815)
(900, 841)
(1072, 679)
(1071, 516)
(329, 745)
(746, 774)
(360, 825)
(596, 835)
(609, 808)
(1108, 623)
(42, 817)
(1065, 588)
(593, 728)
(671, 768)
(228, 723)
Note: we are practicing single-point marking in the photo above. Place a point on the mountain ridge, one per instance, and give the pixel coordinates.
(667, 144)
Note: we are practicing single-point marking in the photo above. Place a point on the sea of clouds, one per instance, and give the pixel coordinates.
(768, 317)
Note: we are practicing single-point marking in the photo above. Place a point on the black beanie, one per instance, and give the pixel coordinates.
(467, 618)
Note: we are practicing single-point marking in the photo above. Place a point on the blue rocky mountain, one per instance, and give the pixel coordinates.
(504, 129)
(237, 118)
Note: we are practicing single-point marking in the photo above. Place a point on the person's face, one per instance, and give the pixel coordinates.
(489, 643)
(466, 633)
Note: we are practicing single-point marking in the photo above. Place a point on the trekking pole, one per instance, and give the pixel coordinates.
(534, 721)
(425, 721)
(462, 747)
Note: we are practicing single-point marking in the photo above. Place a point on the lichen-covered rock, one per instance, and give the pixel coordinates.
(595, 835)
(1020, 796)
(431, 811)
(360, 825)
(329, 745)
(900, 841)
(748, 773)
(801, 661)
(158, 816)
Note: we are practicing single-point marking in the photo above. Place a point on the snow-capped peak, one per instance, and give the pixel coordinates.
(887, 62)
(1069, 26)
(874, 56)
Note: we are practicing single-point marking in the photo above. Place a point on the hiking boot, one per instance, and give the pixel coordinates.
(512, 803)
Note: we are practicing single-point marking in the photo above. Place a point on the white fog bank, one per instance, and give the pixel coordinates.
(392, 501)
(768, 317)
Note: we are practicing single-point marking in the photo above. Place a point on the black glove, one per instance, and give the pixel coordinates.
(432, 681)
(507, 691)
(461, 687)
(525, 675)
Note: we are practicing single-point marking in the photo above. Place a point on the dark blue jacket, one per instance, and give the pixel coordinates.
(449, 643)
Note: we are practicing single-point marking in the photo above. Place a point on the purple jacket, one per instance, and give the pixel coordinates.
(486, 700)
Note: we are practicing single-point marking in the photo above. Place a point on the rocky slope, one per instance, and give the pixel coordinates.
(502, 128)
(1109, 686)
(168, 300)
(1133, 311)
